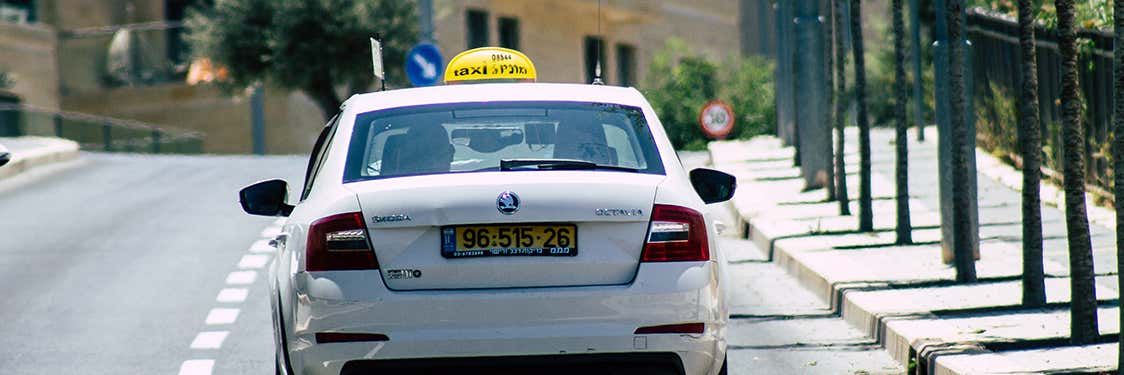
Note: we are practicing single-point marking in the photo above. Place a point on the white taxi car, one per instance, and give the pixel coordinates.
(497, 228)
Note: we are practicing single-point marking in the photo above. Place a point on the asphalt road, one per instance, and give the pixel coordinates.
(129, 264)
(111, 265)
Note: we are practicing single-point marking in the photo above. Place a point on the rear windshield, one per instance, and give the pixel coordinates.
(495, 136)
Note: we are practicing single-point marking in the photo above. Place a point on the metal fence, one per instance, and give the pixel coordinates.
(998, 76)
(96, 133)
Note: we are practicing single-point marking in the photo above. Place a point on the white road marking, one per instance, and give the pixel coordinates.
(197, 367)
(271, 232)
(262, 246)
(232, 295)
(241, 277)
(221, 316)
(253, 261)
(209, 340)
(260, 253)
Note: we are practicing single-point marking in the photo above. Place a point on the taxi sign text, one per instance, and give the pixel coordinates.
(490, 63)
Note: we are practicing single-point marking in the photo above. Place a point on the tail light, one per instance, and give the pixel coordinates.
(339, 243)
(677, 234)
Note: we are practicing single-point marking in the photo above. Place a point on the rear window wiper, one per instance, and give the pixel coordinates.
(563, 164)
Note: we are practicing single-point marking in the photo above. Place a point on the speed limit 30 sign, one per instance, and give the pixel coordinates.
(716, 119)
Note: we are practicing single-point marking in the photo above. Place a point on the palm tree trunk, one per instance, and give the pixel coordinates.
(1083, 315)
(964, 256)
(866, 212)
(840, 110)
(1118, 157)
(901, 142)
(1030, 145)
(829, 88)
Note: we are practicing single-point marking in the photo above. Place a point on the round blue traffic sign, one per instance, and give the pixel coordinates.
(423, 65)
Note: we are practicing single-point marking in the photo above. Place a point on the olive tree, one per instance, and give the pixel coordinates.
(320, 47)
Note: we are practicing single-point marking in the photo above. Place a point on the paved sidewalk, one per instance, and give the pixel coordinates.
(31, 152)
(904, 297)
(776, 325)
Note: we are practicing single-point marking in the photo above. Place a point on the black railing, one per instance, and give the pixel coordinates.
(998, 77)
(97, 133)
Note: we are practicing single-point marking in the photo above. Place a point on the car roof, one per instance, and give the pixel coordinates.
(489, 92)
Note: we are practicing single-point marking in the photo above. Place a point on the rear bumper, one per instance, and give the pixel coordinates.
(627, 363)
(572, 324)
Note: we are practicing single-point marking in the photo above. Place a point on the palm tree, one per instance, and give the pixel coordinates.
(1083, 315)
(866, 212)
(1030, 146)
(1118, 155)
(901, 145)
(840, 109)
(829, 30)
(964, 256)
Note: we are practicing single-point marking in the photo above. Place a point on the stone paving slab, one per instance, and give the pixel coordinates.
(931, 337)
(851, 271)
(1088, 359)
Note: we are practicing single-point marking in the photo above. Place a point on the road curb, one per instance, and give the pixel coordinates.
(49, 151)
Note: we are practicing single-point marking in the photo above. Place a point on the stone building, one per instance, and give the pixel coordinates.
(126, 59)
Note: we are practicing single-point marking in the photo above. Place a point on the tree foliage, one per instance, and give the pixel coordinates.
(316, 46)
(6, 80)
(679, 82)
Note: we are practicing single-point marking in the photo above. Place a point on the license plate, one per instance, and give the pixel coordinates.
(466, 241)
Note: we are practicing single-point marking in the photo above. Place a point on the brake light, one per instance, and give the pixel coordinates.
(339, 243)
(677, 234)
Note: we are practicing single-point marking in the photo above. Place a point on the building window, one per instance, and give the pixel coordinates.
(626, 64)
(18, 11)
(594, 51)
(509, 32)
(476, 22)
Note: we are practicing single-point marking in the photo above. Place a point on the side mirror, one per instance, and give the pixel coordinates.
(713, 186)
(266, 198)
(5, 156)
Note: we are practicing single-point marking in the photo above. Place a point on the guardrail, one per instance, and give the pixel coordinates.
(98, 133)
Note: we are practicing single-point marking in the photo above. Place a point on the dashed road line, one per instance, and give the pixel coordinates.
(253, 261)
(258, 257)
(241, 277)
(232, 295)
(262, 247)
(197, 367)
(220, 315)
(209, 340)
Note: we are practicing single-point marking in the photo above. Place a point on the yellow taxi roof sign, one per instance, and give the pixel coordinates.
(490, 64)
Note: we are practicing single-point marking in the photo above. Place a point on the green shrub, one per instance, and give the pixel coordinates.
(6, 80)
(880, 85)
(679, 82)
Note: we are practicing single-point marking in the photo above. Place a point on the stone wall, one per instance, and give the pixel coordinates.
(30, 59)
(292, 120)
